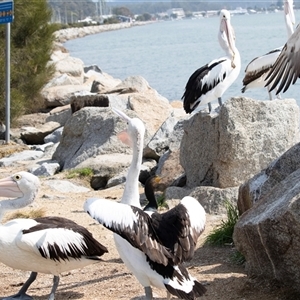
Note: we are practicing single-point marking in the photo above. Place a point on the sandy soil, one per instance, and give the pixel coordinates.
(110, 279)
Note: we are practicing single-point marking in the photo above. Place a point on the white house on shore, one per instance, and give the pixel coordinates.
(176, 11)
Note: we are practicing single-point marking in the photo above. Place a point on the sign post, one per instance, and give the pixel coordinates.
(6, 17)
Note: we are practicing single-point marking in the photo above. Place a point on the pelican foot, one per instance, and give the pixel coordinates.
(18, 297)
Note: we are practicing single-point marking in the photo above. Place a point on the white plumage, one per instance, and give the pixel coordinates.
(154, 246)
(50, 245)
(211, 80)
(257, 70)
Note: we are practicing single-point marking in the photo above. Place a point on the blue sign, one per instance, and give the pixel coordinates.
(6, 11)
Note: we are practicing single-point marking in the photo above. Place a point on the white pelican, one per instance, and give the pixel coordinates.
(213, 79)
(257, 70)
(152, 247)
(286, 69)
(50, 245)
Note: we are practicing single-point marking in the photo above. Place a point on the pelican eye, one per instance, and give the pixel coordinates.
(17, 177)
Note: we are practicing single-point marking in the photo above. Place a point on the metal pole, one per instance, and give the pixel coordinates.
(7, 84)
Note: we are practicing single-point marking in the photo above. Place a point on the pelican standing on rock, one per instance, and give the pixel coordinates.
(50, 245)
(152, 245)
(213, 79)
(258, 69)
(286, 69)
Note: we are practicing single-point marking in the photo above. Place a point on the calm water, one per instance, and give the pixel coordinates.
(167, 53)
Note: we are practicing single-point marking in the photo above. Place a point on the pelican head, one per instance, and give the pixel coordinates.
(226, 34)
(135, 131)
(22, 187)
(17, 185)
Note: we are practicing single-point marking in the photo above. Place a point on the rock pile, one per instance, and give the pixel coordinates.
(247, 152)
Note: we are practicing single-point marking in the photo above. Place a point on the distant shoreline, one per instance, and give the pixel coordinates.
(64, 35)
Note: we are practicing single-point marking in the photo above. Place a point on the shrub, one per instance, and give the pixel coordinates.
(222, 234)
(31, 46)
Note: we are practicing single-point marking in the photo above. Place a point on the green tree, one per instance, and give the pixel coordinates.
(123, 11)
(31, 46)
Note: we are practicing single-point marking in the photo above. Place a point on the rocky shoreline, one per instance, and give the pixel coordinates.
(246, 152)
(64, 35)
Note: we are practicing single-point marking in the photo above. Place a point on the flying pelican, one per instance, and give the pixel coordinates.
(213, 79)
(50, 245)
(152, 245)
(257, 70)
(286, 69)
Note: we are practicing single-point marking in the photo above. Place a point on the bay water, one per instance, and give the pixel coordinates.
(166, 53)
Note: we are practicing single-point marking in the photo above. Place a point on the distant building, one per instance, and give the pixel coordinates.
(176, 11)
(87, 20)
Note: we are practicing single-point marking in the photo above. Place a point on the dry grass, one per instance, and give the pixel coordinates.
(28, 214)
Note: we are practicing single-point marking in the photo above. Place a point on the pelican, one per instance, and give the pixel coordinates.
(153, 246)
(286, 69)
(213, 79)
(50, 245)
(257, 70)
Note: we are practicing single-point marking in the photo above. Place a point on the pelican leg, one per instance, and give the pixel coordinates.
(209, 107)
(21, 295)
(270, 94)
(168, 295)
(278, 96)
(54, 288)
(148, 292)
(220, 101)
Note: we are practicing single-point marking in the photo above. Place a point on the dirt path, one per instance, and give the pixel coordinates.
(110, 279)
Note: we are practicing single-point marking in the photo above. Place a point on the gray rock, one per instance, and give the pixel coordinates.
(90, 132)
(92, 67)
(116, 180)
(42, 147)
(61, 80)
(118, 101)
(55, 136)
(261, 184)
(65, 186)
(107, 169)
(176, 193)
(61, 95)
(26, 155)
(60, 114)
(46, 169)
(268, 235)
(168, 136)
(34, 136)
(227, 149)
(212, 199)
(70, 66)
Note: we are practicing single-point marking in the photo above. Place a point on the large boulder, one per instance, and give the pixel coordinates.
(33, 136)
(268, 235)
(61, 95)
(261, 184)
(226, 149)
(88, 133)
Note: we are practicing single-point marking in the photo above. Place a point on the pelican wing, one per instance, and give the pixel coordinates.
(132, 224)
(170, 237)
(260, 66)
(59, 239)
(286, 69)
(180, 227)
